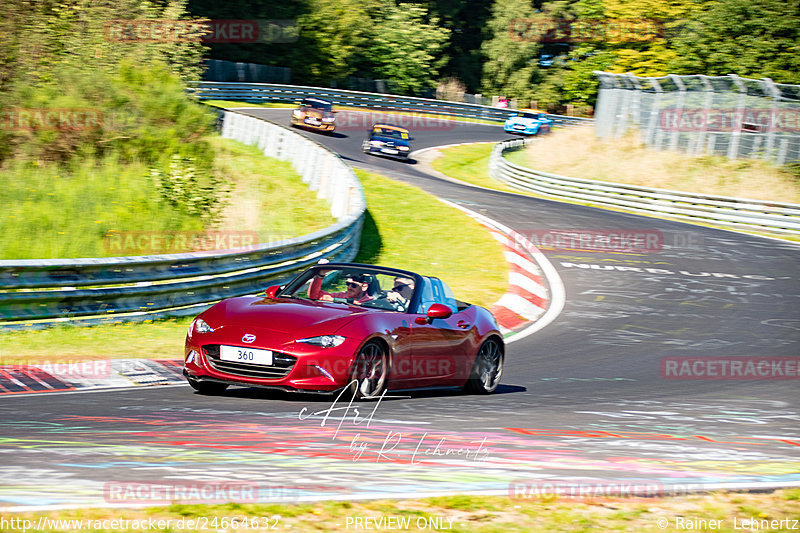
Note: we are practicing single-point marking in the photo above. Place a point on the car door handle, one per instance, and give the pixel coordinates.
(463, 325)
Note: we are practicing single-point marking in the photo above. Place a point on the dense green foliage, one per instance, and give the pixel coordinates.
(418, 44)
(91, 125)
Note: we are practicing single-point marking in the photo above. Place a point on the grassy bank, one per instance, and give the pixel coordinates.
(576, 152)
(405, 227)
(78, 210)
(475, 514)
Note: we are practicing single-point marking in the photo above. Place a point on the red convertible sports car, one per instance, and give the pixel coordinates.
(339, 326)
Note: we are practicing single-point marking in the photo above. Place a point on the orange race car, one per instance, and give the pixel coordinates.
(315, 113)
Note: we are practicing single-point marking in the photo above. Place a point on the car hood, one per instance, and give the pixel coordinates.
(285, 315)
(523, 120)
(390, 140)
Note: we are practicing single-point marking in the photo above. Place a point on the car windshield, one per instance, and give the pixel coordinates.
(352, 285)
(390, 132)
(318, 104)
(529, 115)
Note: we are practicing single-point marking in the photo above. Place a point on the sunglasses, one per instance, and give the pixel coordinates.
(400, 286)
(352, 284)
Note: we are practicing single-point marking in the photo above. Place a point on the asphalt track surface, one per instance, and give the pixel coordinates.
(589, 400)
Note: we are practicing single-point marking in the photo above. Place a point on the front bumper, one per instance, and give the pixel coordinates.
(308, 369)
(322, 126)
(377, 150)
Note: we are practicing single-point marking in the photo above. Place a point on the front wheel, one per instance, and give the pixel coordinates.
(487, 369)
(369, 372)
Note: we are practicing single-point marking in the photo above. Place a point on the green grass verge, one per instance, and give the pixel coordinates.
(461, 514)
(408, 228)
(469, 163)
(405, 228)
(234, 103)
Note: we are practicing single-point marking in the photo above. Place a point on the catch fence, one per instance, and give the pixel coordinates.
(727, 115)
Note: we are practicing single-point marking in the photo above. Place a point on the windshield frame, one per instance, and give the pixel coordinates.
(290, 290)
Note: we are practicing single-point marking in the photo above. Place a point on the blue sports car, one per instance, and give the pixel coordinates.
(528, 122)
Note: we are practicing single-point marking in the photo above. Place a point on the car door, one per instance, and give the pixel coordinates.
(441, 346)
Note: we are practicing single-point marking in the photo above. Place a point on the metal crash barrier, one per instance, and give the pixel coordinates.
(268, 92)
(740, 213)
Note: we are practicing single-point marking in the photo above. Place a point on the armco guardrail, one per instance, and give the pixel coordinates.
(96, 290)
(722, 210)
(267, 92)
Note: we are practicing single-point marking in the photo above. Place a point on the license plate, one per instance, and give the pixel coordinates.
(237, 354)
(519, 127)
(388, 151)
(312, 121)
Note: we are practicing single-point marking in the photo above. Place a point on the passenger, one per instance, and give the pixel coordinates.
(357, 287)
(401, 292)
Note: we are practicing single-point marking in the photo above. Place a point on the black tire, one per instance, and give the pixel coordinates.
(207, 387)
(487, 369)
(369, 372)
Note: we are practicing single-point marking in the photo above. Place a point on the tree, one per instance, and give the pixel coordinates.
(334, 35)
(407, 47)
(511, 53)
(751, 38)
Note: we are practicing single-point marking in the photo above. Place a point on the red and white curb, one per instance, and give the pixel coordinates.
(90, 374)
(535, 294)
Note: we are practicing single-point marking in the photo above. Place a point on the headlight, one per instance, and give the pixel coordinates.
(376, 143)
(201, 326)
(403, 148)
(328, 119)
(326, 341)
(297, 113)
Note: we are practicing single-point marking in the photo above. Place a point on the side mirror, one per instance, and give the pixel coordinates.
(272, 291)
(439, 311)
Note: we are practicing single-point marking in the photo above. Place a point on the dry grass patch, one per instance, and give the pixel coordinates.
(576, 152)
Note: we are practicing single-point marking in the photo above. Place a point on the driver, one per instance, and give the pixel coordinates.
(357, 286)
(401, 292)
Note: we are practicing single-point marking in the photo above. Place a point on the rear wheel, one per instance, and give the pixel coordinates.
(207, 387)
(487, 369)
(369, 372)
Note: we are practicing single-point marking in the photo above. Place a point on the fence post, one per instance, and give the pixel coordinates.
(773, 91)
(675, 138)
(736, 134)
(655, 115)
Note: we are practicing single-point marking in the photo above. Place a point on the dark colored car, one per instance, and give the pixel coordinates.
(315, 113)
(339, 326)
(388, 140)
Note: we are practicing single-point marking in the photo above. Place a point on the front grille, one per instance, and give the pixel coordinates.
(281, 365)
